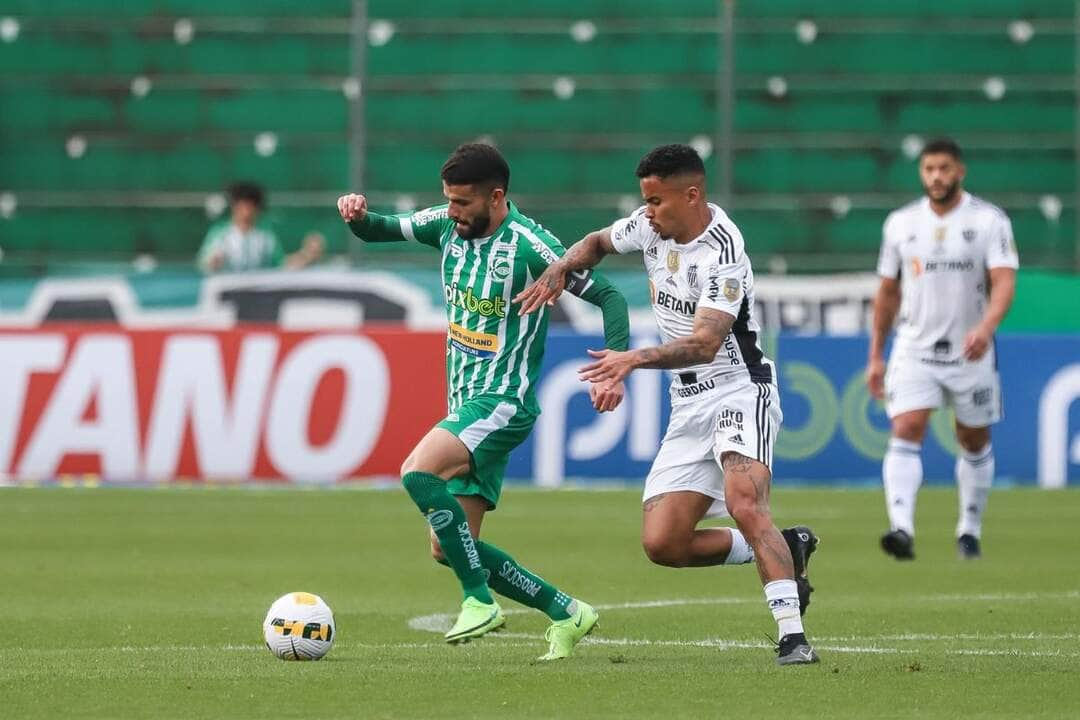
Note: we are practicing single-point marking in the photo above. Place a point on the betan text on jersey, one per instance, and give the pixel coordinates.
(669, 301)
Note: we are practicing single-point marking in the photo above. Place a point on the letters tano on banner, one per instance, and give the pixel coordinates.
(233, 405)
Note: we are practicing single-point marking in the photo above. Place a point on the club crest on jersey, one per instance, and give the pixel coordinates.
(731, 289)
(672, 261)
(499, 266)
(691, 275)
(969, 234)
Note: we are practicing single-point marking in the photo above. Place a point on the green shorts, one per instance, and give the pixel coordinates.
(491, 427)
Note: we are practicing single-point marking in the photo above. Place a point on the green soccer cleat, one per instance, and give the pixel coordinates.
(476, 619)
(564, 635)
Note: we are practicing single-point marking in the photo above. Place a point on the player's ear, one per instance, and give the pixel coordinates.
(497, 195)
(693, 194)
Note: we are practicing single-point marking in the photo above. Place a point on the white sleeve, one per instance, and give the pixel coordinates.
(1001, 248)
(722, 287)
(630, 233)
(889, 261)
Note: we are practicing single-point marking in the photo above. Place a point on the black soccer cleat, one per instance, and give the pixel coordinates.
(802, 542)
(967, 547)
(795, 649)
(898, 544)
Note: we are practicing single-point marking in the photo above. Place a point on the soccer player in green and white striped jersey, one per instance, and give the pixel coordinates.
(490, 252)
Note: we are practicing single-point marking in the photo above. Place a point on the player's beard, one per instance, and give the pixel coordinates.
(475, 228)
(950, 193)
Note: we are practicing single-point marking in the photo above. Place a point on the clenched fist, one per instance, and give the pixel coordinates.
(352, 207)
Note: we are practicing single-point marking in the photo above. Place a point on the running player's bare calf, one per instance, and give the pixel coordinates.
(746, 491)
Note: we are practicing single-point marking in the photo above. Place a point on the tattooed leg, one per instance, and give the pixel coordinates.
(746, 489)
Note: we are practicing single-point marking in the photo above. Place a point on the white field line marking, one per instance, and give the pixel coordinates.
(1003, 597)
(915, 637)
(440, 622)
(717, 643)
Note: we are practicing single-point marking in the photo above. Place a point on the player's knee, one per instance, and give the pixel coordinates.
(748, 512)
(909, 429)
(973, 440)
(662, 551)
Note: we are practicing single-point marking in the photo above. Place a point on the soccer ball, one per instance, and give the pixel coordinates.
(299, 626)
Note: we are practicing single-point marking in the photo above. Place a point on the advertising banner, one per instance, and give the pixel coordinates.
(832, 432)
(261, 403)
(152, 405)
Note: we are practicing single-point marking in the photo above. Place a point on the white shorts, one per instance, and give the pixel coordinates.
(972, 388)
(732, 416)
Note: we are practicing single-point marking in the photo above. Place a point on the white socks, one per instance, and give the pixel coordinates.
(741, 552)
(974, 476)
(903, 474)
(783, 599)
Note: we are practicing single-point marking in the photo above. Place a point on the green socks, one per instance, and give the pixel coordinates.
(511, 580)
(447, 518)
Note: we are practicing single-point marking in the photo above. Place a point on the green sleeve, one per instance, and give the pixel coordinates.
(599, 291)
(588, 285)
(423, 226)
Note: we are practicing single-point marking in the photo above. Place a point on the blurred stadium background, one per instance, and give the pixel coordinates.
(122, 123)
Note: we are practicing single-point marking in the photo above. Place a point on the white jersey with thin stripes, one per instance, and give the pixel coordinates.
(711, 271)
(942, 263)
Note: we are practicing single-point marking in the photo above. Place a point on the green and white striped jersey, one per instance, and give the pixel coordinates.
(490, 348)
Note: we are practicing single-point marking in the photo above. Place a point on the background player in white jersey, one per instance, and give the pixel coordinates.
(725, 405)
(937, 256)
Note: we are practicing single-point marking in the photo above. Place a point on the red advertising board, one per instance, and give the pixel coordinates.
(254, 402)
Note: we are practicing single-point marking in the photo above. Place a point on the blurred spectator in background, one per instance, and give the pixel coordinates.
(242, 243)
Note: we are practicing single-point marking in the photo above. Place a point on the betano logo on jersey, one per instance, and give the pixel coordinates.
(467, 300)
(934, 266)
(482, 345)
(686, 307)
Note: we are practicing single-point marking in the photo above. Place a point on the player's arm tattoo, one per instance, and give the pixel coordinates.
(588, 252)
(652, 503)
(711, 328)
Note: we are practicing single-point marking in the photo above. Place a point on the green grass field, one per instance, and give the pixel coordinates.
(148, 603)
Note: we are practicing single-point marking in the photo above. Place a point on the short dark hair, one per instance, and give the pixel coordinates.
(245, 190)
(476, 164)
(668, 160)
(942, 145)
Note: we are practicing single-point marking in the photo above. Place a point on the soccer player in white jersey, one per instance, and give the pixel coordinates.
(716, 456)
(948, 268)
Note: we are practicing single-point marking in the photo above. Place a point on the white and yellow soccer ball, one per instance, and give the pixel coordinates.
(299, 626)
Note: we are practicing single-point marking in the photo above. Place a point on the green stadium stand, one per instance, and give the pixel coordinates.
(876, 77)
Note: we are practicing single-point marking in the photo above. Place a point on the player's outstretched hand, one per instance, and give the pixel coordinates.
(610, 366)
(545, 291)
(352, 207)
(875, 378)
(606, 396)
(977, 342)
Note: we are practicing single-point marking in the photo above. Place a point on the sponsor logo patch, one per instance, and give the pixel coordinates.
(730, 420)
(430, 215)
(466, 299)
(440, 519)
(482, 345)
(731, 289)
